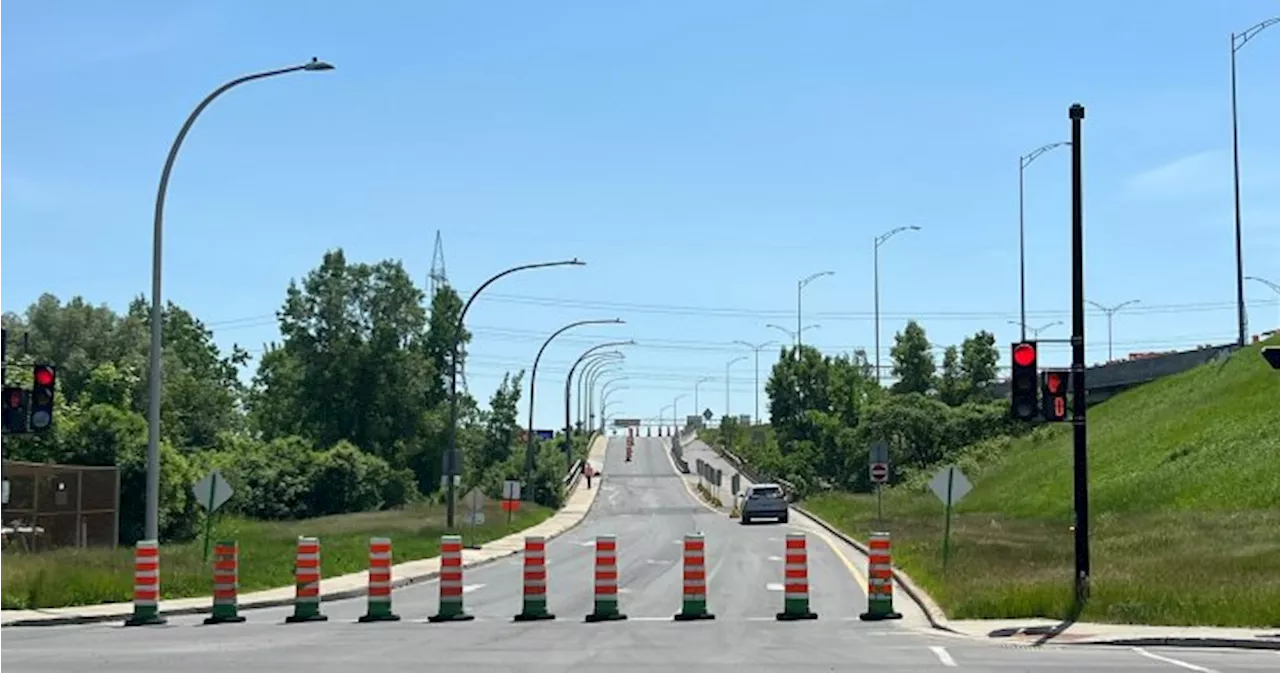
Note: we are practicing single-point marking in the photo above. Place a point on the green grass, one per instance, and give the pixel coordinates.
(1185, 502)
(83, 577)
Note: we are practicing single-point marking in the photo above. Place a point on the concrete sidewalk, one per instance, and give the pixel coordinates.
(571, 514)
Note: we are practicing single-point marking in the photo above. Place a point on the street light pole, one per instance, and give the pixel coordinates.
(1237, 42)
(675, 411)
(452, 462)
(533, 388)
(879, 240)
(791, 334)
(756, 348)
(1111, 311)
(1024, 161)
(591, 364)
(568, 383)
(697, 383)
(154, 374)
(800, 285)
(1035, 331)
(609, 365)
(731, 363)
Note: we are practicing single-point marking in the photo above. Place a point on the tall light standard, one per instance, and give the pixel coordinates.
(800, 285)
(662, 417)
(598, 362)
(1264, 281)
(608, 387)
(452, 462)
(1024, 161)
(879, 240)
(1238, 40)
(154, 375)
(568, 383)
(697, 383)
(756, 348)
(533, 388)
(727, 366)
(792, 334)
(1110, 312)
(1035, 331)
(587, 382)
(675, 411)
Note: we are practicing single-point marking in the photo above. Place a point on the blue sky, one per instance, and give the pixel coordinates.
(701, 157)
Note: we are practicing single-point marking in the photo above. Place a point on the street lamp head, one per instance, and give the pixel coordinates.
(914, 228)
(316, 65)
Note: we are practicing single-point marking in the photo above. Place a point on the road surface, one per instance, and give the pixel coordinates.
(649, 508)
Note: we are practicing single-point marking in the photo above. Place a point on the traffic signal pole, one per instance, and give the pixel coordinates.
(1081, 468)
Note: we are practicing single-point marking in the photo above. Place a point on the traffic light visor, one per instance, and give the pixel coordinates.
(1024, 355)
(43, 375)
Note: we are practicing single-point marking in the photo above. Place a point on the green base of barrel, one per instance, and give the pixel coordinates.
(606, 617)
(796, 616)
(224, 619)
(388, 617)
(877, 616)
(455, 617)
(533, 616)
(145, 620)
(693, 616)
(298, 619)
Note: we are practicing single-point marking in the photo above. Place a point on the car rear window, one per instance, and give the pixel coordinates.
(766, 492)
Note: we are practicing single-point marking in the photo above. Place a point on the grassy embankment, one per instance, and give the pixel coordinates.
(84, 577)
(1185, 499)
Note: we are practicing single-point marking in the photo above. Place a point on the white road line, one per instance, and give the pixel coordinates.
(941, 652)
(774, 586)
(1175, 662)
(468, 588)
(775, 558)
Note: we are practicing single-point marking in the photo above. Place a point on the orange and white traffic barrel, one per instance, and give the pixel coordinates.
(606, 581)
(306, 575)
(380, 582)
(535, 580)
(226, 583)
(879, 580)
(146, 585)
(694, 605)
(451, 582)
(795, 580)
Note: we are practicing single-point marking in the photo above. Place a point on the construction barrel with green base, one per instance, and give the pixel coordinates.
(146, 585)
(226, 583)
(879, 580)
(695, 580)
(306, 573)
(535, 580)
(380, 582)
(606, 581)
(795, 581)
(451, 582)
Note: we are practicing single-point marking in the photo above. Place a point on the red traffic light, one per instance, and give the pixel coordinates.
(1024, 355)
(14, 399)
(1053, 381)
(43, 375)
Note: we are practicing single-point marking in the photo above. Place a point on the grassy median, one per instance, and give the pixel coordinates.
(83, 577)
(1185, 498)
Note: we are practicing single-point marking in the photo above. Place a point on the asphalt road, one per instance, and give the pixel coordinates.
(648, 507)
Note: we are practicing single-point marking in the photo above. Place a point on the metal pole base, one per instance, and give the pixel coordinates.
(237, 619)
(614, 617)
(459, 617)
(379, 618)
(875, 617)
(298, 619)
(796, 616)
(534, 617)
(693, 617)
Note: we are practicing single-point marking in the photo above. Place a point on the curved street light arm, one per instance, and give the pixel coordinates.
(1238, 40)
(599, 366)
(816, 276)
(1264, 281)
(1026, 159)
(152, 517)
(568, 382)
(893, 232)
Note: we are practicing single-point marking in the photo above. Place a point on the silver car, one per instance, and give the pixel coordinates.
(764, 501)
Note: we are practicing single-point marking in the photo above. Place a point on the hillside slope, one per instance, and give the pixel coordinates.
(1185, 502)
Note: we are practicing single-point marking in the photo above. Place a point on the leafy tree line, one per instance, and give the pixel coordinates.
(347, 412)
(826, 411)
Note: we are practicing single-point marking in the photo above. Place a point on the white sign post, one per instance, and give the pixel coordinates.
(950, 485)
(213, 492)
(473, 508)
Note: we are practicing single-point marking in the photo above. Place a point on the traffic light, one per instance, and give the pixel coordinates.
(42, 380)
(1023, 381)
(1053, 386)
(15, 410)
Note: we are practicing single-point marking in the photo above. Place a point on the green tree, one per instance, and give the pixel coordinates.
(913, 363)
(952, 386)
(978, 361)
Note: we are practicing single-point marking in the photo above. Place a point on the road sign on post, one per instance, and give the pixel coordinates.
(879, 473)
(950, 485)
(879, 460)
(473, 509)
(510, 497)
(706, 414)
(213, 492)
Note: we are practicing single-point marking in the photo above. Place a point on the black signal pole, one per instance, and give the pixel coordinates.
(1076, 114)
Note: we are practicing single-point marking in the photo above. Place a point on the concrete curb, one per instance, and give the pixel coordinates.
(1232, 643)
(344, 594)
